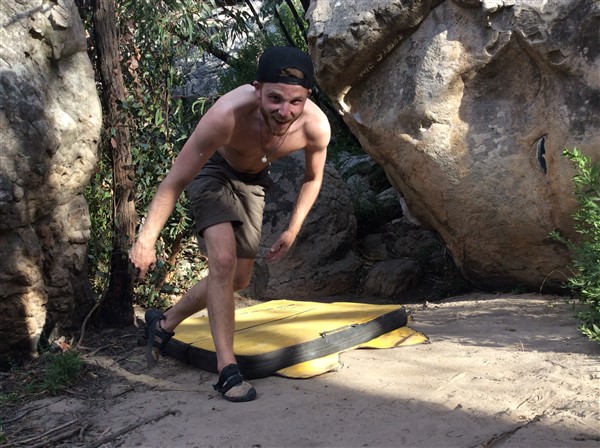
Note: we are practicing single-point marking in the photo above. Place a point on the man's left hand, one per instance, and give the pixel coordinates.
(281, 247)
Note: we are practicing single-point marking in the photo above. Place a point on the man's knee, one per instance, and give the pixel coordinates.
(222, 265)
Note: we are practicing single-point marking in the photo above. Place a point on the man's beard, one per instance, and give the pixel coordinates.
(277, 128)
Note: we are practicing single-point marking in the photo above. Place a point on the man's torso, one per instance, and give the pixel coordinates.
(246, 150)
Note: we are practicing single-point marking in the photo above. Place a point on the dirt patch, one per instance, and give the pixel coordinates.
(500, 370)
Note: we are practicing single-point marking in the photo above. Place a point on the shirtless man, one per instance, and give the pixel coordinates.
(225, 167)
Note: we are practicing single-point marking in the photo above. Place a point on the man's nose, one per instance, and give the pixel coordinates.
(284, 109)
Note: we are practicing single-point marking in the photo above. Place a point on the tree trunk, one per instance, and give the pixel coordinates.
(116, 309)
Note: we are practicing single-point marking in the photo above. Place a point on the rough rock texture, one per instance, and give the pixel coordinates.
(389, 278)
(468, 105)
(375, 201)
(401, 259)
(50, 121)
(322, 261)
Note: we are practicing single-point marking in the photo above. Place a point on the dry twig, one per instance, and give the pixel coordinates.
(499, 439)
(57, 438)
(85, 321)
(40, 437)
(125, 430)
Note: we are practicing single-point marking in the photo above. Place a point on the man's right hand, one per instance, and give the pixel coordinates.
(143, 259)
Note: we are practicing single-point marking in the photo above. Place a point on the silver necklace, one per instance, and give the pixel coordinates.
(265, 157)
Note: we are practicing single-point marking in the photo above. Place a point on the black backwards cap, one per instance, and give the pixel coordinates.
(276, 59)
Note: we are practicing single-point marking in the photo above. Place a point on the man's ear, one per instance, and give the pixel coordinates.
(257, 86)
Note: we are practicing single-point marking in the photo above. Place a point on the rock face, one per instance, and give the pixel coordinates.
(322, 261)
(390, 278)
(468, 106)
(391, 258)
(50, 120)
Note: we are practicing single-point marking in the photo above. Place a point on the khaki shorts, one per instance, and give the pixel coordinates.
(220, 194)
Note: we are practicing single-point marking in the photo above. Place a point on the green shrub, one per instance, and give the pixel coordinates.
(50, 373)
(585, 278)
(61, 370)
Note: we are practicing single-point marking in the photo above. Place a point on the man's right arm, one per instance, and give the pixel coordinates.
(187, 164)
(211, 133)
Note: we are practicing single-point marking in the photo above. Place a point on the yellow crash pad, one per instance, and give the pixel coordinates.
(296, 339)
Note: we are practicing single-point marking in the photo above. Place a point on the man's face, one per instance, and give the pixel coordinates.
(280, 105)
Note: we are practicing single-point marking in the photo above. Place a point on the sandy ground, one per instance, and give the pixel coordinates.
(500, 370)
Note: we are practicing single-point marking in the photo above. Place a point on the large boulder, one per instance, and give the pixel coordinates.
(50, 120)
(468, 106)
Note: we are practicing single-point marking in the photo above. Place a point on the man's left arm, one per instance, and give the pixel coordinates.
(315, 155)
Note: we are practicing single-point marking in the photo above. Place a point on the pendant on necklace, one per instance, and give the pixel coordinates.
(264, 159)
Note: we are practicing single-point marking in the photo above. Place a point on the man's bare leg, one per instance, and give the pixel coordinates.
(193, 300)
(222, 264)
(221, 310)
(224, 276)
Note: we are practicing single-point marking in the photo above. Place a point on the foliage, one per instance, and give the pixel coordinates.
(61, 371)
(51, 373)
(99, 197)
(585, 278)
(160, 121)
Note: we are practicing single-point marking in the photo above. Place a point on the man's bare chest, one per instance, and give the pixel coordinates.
(252, 154)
